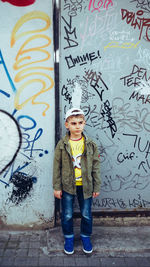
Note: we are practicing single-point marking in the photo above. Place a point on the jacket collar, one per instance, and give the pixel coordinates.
(66, 138)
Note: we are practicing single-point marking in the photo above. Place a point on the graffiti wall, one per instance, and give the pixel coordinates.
(26, 112)
(105, 70)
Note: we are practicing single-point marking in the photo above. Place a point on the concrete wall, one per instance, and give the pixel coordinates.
(26, 113)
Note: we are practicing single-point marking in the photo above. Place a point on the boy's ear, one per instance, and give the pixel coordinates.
(66, 124)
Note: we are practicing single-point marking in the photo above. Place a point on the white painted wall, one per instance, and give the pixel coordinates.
(26, 113)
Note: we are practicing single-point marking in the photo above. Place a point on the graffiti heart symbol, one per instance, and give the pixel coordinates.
(10, 139)
(20, 2)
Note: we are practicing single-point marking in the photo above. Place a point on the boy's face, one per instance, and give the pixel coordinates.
(76, 126)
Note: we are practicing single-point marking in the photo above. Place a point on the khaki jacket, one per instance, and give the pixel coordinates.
(63, 171)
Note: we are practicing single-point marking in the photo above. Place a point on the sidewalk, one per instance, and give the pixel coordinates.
(113, 246)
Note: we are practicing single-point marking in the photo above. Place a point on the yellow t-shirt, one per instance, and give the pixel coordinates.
(77, 149)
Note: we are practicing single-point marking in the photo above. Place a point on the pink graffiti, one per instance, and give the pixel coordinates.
(20, 2)
(100, 4)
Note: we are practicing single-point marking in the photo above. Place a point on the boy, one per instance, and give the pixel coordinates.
(76, 172)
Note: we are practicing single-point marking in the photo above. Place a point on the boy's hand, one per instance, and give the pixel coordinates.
(95, 194)
(58, 194)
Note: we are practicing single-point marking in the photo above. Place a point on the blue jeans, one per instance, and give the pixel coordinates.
(67, 202)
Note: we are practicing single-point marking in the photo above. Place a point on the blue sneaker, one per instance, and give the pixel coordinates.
(87, 246)
(69, 245)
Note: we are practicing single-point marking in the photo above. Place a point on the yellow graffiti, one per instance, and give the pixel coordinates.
(35, 49)
(26, 63)
(123, 45)
(29, 16)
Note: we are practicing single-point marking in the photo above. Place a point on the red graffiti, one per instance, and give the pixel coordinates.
(20, 2)
(137, 21)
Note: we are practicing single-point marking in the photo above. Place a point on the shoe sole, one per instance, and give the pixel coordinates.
(68, 253)
(87, 252)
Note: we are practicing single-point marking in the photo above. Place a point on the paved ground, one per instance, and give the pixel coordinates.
(113, 246)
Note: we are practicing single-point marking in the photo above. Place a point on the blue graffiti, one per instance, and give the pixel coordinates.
(4, 93)
(31, 143)
(7, 74)
(28, 118)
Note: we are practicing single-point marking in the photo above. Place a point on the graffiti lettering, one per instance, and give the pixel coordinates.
(81, 60)
(115, 44)
(111, 203)
(100, 3)
(140, 97)
(106, 114)
(139, 202)
(120, 36)
(144, 4)
(64, 92)
(70, 34)
(122, 157)
(124, 115)
(139, 22)
(137, 77)
(145, 165)
(96, 82)
(98, 28)
(142, 145)
(73, 7)
(25, 73)
(118, 182)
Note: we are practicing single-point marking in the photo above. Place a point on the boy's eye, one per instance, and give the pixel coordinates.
(81, 122)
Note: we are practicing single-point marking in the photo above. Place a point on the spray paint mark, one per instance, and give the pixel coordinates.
(20, 2)
(10, 139)
(22, 187)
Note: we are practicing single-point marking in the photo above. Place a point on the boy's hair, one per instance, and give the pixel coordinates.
(74, 112)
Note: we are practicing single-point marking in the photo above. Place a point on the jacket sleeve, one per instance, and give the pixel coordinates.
(57, 166)
(96, 170)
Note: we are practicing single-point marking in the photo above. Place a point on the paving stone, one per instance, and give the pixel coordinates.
(25, 238)
(13, 244)
(3, 244)
(32, 261)
(44, 261)
(4, 237)
(20, 261)
(131, 261)
(1, 252)
(94, 262)
(14, 238)
(7, 261)
(9, 252)
(81, 261)
(24, 244)
(34, 245)
(69, 261)
(142, 262)
(22, 252)
(57, 261)
(114, 262)
(34, 252)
